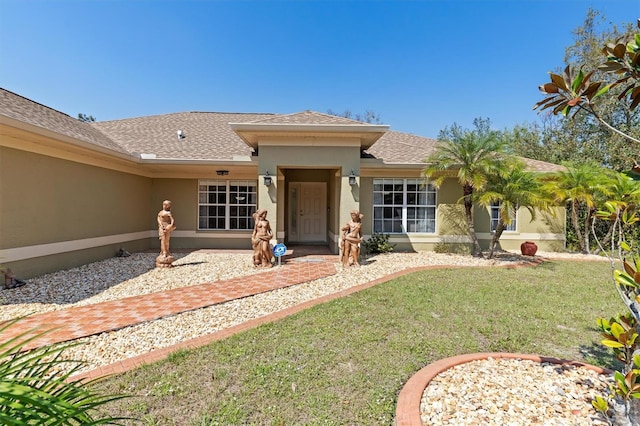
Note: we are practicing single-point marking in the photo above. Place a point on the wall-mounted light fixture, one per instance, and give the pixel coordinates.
(267, 179)
(180, 134)
(352, 178)
(222, 172)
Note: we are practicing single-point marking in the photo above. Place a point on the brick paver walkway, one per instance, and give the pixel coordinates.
(82, 321)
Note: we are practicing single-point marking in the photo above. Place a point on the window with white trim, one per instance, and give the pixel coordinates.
(226, 204)
(495, 217)
(403, 206)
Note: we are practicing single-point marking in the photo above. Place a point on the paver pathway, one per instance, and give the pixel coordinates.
(82, 321)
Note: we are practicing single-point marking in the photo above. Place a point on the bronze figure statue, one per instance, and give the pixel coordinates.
(351, 239)
(166, 225)
(260, 240)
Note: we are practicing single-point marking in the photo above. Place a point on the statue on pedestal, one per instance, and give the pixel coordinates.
(166, 226)
(260, 240)
(351, 239)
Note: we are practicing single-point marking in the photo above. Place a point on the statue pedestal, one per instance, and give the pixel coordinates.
(163, 261)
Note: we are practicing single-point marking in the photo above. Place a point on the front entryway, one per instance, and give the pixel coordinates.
(307, 216)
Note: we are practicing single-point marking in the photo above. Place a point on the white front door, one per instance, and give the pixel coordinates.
(308, 212)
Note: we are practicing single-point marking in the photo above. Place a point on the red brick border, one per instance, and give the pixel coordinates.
(408, 406)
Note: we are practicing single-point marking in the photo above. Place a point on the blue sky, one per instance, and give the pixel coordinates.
(421, 65)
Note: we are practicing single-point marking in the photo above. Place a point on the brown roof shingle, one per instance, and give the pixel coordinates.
(207, 135)
(27, 111)
(402, 148)
(308, 117)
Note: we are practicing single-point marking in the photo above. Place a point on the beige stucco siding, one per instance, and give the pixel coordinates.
(547, 230)
(277, 156)
(366, 204)
(46, 200)
(74, 206)
(183, 194)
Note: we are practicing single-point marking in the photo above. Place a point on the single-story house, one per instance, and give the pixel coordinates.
(72, 192)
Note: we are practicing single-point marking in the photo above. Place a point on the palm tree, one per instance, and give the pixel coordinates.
(514, 188)
(580, 185)
(624, 193)
(473, 155)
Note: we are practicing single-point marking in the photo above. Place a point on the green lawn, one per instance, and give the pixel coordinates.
(344, 362)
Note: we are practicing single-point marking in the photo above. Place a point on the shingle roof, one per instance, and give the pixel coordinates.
(402, 148)
(541, 166)
(207, 135)
(27, 111)
(308, 117)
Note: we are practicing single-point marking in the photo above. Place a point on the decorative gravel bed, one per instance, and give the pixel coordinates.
(513, 392)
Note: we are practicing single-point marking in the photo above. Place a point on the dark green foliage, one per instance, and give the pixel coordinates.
(34, 392)
(86, 118)
(473, 155)
(378, 243)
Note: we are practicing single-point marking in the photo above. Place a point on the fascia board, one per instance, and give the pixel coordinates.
(21, 125)
(199, 161)
(251, 132)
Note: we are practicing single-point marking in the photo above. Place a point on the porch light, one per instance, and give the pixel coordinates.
(352, 178)
(267, 179)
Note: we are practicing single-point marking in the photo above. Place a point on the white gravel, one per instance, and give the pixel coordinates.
(513, 392)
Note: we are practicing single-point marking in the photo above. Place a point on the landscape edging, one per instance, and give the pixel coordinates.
(410, 397)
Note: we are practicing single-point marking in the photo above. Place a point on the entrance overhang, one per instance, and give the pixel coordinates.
(253, 133)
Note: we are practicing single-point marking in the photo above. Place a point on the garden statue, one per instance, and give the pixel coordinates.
(351, 239)
(10, 280)
(260, 240)
(166, 226)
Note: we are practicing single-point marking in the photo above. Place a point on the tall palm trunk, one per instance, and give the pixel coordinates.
(587, 232)
(576, 226)
(468, 210)
(496, 237)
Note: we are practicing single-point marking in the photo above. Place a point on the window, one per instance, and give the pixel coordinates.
(403, 206)
(226, 204)
(495, 217)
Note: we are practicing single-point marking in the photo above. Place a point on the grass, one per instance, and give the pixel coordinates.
(344, 362)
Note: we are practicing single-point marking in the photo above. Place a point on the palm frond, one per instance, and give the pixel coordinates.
(35, 385)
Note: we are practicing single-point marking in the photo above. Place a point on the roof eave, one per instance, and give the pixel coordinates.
(79, 143)
(251, 133)
(196, 161)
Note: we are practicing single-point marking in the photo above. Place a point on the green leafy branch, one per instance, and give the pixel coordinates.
(34, 392)
(571, 92)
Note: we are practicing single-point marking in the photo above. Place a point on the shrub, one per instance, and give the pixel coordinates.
(378, 243)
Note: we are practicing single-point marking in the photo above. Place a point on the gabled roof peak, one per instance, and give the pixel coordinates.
(308, 117)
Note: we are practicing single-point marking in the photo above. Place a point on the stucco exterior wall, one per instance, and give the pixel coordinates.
(276, 155)
(183, 194)
(86, 211)
(58, 213)
(452, 235)
(366, 204)
(547, 229)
